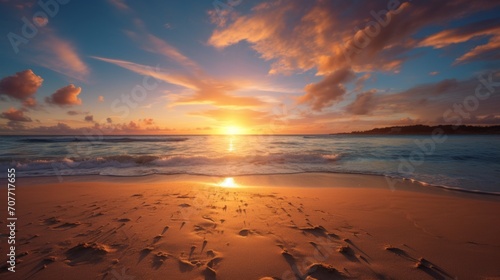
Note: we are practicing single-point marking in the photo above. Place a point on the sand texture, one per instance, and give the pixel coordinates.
(304, 226)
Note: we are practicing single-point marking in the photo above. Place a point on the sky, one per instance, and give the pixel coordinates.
(246, 67)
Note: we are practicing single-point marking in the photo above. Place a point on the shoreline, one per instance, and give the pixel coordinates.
(398, 181)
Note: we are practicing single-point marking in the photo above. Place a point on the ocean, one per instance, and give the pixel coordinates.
(469, 162)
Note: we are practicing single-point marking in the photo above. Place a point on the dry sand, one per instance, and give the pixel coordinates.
(304, 226)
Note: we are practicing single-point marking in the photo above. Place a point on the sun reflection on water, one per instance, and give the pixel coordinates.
(231, 145)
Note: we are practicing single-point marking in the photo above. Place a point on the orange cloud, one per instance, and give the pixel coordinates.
(15, 115)
(363, 103)
(462, 34)
(329, 36)
(427, 103)
(22, 85)
(65, 96)
(327, 91)
(489, 51)
(472, 31)
(305, 35)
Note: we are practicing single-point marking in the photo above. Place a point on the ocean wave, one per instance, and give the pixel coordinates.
(317, 136)
(285, 143)
(103, 139)
(178, 162)
(331, 157)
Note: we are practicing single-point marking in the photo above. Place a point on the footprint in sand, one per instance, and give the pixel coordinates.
(157, 238)
(87, 253)
(245, 232)
(422, 264)
(51, 221)
(185, 266)
(165, 229)
(324, 271)
(209, 273)
(68, 225)
(205, 242)
(159, 258)
(210, 253)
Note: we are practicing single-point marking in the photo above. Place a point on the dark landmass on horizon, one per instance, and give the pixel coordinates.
(425, 129)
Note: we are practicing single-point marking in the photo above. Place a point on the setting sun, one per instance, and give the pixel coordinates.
(232, 130)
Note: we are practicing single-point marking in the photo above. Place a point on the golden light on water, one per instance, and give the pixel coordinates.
(231, 146)
(228, 183)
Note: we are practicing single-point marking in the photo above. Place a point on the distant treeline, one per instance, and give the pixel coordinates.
(425, 129)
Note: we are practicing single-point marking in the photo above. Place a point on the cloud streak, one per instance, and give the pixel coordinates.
(205, 90)
(156, 45)
(486, 28)
(61, 56)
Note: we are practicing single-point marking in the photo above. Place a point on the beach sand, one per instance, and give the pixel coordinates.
(301, 226)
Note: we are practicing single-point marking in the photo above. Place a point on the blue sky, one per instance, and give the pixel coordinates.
(243, 64)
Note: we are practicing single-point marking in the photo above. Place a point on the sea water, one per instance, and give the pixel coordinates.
(469, 162)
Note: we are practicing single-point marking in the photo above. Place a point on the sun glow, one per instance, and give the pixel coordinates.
(233, 130)
(228, 183)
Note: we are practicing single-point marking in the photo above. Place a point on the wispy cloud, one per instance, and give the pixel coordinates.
(60, 55)
(205, 90)
(488, 51)
(462, 34)
(119, 4)
(150, 71)
(156, 45)
(486, 28)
